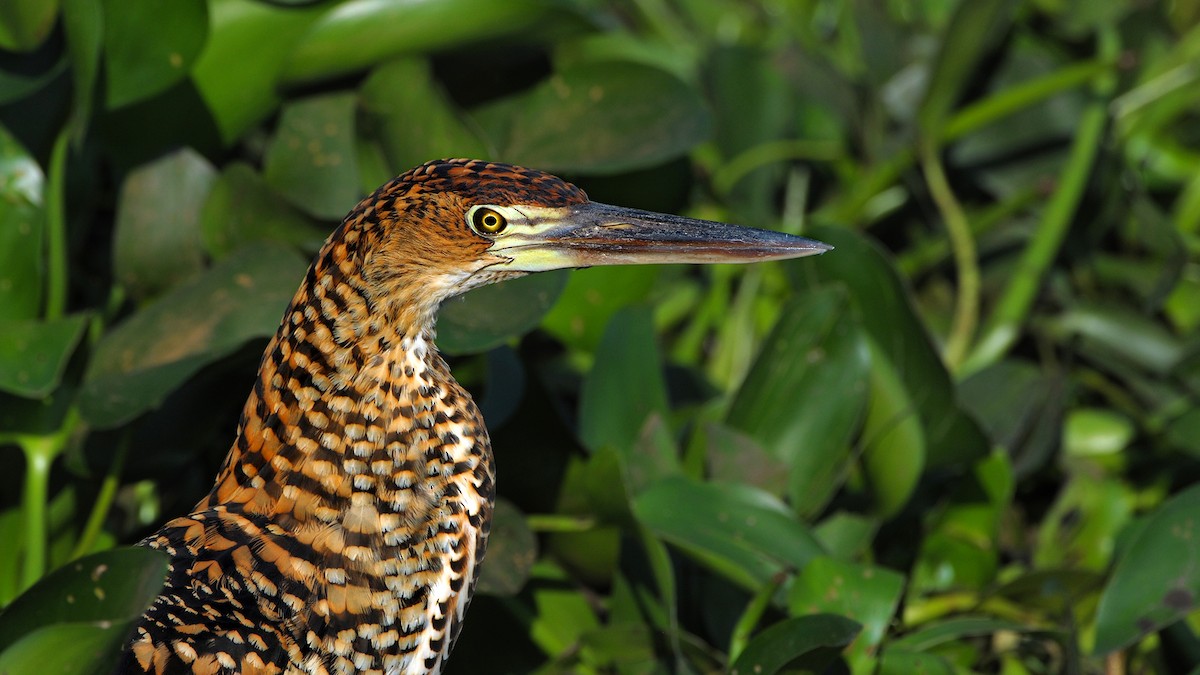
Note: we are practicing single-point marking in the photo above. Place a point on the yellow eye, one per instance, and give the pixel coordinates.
(488, 221)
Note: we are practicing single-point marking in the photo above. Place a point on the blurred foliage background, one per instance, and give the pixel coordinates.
(961, 442)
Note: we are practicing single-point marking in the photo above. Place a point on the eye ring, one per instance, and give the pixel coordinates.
(488, 221)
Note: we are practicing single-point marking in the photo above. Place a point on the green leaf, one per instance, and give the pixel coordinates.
(1080, 529)
(147, 49)
(634, 116)
(893, 439)
(562, 614)
(802, 642)
(865, 593)
(413, 119)
(512, 550)
(591, 298)
(1096, 431)
(113, 586)
(805, 395)
(359, 33)
(886, 312)
(1156, 581)
(24, 24)
(311, 160)
(735, 457)
(240, 91)
(33, 354)
(67, 649)
(150, 354)
(1112, 331)
(242, 209)
(489, 316)
(1021, 407)
(741, 533)
(22, 220)
(158, 242)
(625, 385)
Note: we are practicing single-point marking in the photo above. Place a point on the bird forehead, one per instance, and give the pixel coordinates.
(481, 182)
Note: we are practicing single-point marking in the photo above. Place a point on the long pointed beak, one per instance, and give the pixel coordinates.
(598, 234)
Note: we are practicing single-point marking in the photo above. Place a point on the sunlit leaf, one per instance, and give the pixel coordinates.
(866, 594)
(893, 439)
(147, 51)
(22, 220)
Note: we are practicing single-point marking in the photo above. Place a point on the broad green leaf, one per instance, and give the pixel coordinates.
(241, 91)
(846, 535)
(805, 395)
(242, 209)
(512, 550)
(412, 118)
(805, 642)
(150, 354)
(67, 649)
(311, 160)
(1156, 581)
(886, 311)
(900, 661)
(598, 118)
(148, 49)
(489, 316)
(112, 586)
(33, 354)
(22, 219)
(892, 437)
(591, 298)
(739, 532)
(625, 385)
(24, 24)
(360, 33)
(158, 242)
(865, 593)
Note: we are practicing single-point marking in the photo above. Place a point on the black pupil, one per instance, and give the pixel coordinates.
(491, 221)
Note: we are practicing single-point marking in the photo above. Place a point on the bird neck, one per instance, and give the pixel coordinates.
(347, 394)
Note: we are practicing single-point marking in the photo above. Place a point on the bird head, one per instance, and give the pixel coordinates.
(451, 225)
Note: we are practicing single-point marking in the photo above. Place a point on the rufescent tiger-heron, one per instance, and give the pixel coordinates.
(349, 520)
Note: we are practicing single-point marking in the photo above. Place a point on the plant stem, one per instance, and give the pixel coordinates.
(751, 616)
(39, 455)
(728, 175)
(1004, 325)
(559, 523)
(104, 500)
(56, 228)
(966, 302)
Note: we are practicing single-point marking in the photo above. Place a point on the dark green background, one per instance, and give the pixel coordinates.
(961, 442)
